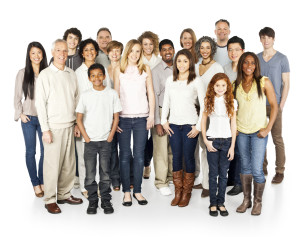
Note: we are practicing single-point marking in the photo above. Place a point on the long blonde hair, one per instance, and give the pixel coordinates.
(124, 61)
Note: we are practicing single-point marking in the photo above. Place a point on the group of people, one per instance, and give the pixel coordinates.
(93, 101)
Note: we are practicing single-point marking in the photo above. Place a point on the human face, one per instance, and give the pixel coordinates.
(205, 50)
(187, 40)
(97, 77)
(167, 53)
(72, 41)
(249, 66)
(135, 54)
(103, 38)
(114, 55)
(267, 42)
(147, 47)
(183, 64)
(89, 53)
(235, 51)
(222, 31)
(220, 87)
(35, 55)
(60, 53)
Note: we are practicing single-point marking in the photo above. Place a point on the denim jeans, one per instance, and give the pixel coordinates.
(114, 163)
(148, 151)
(252, 150)
(30, 129)
(235, 168)
(91, 149)
(181, 146)
(137, 126)
(218, 166)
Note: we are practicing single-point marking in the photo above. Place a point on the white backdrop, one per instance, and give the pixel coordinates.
(45, 21)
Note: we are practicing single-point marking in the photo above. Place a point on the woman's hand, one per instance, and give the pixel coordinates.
(262, 133)
(150, 122)
(24, 118)
(230, 153)
(193, 133)
(209, 146)
(167, 128)
(119, 130)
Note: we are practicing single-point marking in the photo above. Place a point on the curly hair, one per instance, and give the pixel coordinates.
(73, 31)
(85, 43)
(153, 37)
(212, 43)
(209, 100)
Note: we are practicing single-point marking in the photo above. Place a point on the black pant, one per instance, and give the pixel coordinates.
(91, 149)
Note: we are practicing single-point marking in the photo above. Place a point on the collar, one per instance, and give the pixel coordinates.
(55, 69)
(165, 66)
(219, 98)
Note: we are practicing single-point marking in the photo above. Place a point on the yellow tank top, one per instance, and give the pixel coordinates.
(251, 114)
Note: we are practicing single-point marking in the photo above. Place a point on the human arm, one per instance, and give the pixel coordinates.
(233, 136)
(79, 120)
(286, 88)
(208, 143)
(116, 79)
(18, 97)
(114, 127)
(151, 98)
(166, 109)
(270, 93)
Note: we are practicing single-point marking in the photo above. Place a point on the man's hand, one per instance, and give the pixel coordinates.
(76, 131)
(47, 137)
(159, 130)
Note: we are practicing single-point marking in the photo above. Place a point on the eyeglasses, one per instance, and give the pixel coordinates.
(232, 50)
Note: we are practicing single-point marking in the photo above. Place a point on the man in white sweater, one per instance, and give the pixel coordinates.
(56, 99)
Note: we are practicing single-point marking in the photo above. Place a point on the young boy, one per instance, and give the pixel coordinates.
(97, 118)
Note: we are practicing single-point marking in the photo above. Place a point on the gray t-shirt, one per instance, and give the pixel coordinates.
(102, 58)
(229, 72)
(221, 55)
(273, 69)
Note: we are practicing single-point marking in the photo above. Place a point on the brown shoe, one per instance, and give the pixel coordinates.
(246, 180)
(188, 182)
(198, 186)
(277, 179)
(177, 180)
(71, 200)
(53, 208)
(38, 191)
(147, 171)
(258, 192)
(205, 193)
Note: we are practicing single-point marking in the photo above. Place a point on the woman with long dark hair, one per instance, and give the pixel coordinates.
(251, 91)
(36, 61)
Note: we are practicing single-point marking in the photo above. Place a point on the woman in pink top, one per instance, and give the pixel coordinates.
(133, 82)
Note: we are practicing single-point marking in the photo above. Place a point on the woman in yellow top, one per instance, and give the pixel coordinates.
(251, 90)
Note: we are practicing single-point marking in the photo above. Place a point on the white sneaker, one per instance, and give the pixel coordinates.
(165, 191)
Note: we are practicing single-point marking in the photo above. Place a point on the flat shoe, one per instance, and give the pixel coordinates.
(222, 213)
(212, 213)
(141, 202)
(126, 204)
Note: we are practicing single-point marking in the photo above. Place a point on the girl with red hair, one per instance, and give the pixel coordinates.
(220, 107)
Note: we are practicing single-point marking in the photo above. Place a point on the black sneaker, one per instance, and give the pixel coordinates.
(107, 207)
(92, 208)
(235, 190)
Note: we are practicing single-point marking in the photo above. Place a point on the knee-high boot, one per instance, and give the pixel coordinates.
(177, 180)
(258, 192)
(246, 180)
(188, 182)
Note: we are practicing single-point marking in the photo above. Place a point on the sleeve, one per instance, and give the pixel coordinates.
(77, 93)
(156, 87)
(117, 102)
(285, 66)
(18, 95)
(201, 95)
(166, 104)
(41, 100)
(80, 106)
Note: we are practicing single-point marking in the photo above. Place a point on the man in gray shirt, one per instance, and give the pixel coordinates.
(275, 66)
(222, 32)
(162, 154)
(103, 38)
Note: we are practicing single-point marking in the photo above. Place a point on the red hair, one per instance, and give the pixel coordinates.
(210, 95)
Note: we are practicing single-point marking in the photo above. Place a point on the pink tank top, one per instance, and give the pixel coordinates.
(133, 93)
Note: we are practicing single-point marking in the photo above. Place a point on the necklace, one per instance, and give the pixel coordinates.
(204, 64)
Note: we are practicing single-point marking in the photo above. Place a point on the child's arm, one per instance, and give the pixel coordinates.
(114, 127)
(233, 136)
(208, 143)
(81, 127)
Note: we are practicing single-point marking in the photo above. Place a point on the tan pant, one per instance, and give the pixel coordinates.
(278, 142)
(59, 165)
(81, 165)
(162, 159)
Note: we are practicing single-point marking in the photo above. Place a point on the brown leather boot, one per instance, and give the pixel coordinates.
(188, 182)
(258, 192)
(177, 180)
(246, 180)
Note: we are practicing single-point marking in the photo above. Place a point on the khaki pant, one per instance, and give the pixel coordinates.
(278, 142)
(162, 159)
(81, 165)
(59, 165)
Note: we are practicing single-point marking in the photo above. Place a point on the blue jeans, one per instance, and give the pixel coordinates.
(137, 126)
(218, 164)
(252, 150)
(114, 163)
(148, 151)
(235, 168)
(30, 129)
(181, 145)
